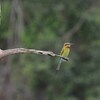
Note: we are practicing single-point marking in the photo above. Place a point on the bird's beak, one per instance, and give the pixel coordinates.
(71, 43)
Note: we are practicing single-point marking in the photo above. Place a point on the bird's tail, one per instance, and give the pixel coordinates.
(58, 67)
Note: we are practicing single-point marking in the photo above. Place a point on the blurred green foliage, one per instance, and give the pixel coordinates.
(46, 23)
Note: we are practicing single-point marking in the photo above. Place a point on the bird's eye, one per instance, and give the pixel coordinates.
(65, 44)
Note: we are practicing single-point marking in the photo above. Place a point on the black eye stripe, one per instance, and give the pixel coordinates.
(66, 44)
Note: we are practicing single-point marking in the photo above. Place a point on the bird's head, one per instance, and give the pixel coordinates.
(67, 45)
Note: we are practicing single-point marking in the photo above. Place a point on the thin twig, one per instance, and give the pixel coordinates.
(81, 21)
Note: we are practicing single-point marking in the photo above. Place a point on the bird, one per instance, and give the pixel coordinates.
(64, 53)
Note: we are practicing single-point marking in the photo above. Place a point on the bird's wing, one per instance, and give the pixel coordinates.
(62, 51)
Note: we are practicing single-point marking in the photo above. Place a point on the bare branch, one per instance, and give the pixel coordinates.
(4, 53)
(81, 21)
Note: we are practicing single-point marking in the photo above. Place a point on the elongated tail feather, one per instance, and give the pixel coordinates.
(58, 67)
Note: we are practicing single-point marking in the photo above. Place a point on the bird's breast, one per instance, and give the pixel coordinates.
(66, 52)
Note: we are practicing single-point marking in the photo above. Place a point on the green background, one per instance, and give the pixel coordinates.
(47, 25)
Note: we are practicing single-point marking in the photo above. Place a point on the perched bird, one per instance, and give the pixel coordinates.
(64, 53)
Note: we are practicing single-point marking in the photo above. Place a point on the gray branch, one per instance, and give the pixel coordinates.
(4, 53)
(81, 21)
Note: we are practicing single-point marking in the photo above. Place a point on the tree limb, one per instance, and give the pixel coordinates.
(81, 21)
(4, 53)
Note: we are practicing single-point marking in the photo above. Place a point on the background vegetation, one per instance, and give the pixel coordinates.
(46, 25)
